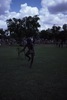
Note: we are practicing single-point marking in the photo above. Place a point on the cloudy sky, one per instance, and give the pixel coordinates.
(50, 11)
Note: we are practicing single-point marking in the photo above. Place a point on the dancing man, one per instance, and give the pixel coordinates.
(30, 51)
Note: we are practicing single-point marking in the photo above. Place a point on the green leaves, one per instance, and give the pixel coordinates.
(27, 26)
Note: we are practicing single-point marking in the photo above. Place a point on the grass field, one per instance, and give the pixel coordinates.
(46, 80)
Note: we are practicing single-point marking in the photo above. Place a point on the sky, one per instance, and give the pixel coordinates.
(51, 12)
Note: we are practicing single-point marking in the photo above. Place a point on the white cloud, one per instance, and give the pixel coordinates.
(12, 15)
(4, 6)
(50, 12)
(3, 24)
(24, 11)
(52, 2)
(56, 16)
(28, 10)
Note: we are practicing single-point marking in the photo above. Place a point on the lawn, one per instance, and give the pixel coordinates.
(46, 80)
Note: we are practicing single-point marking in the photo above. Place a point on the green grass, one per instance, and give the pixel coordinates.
(46, 80)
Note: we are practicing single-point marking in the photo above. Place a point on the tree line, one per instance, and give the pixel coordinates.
(29, 27)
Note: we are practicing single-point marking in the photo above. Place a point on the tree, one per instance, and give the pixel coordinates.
(25, 27)
(56, 31)
(2, 33)
(64, 32)
(65, 27)
(44, 34)
(16, 27)
(32, 25)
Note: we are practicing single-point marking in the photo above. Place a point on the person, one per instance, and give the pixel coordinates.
(30, 51)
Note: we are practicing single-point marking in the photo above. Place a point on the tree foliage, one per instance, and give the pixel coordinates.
(27, 26)
(2, 33)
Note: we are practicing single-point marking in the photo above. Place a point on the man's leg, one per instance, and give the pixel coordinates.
(32, 58)
(28, 55)
(18, 51)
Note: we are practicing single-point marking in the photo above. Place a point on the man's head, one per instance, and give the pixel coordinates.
(29, 40)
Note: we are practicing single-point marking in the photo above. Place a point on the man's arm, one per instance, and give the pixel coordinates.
(20, 51)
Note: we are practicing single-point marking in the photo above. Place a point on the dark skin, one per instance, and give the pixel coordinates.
(30, 52)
